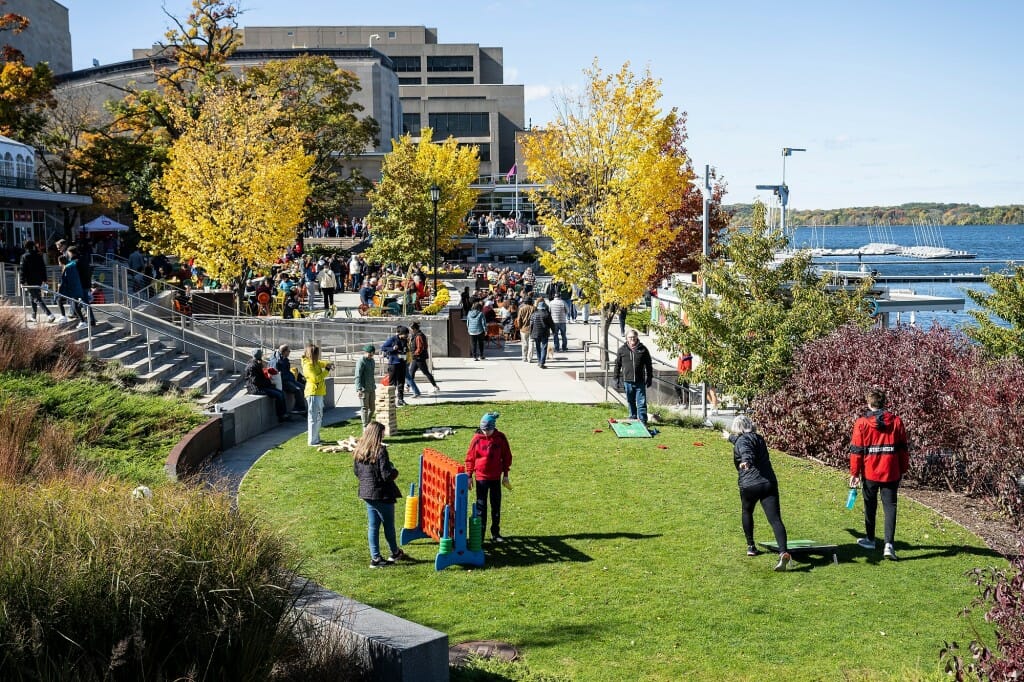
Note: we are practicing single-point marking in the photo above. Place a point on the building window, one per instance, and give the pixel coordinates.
(485, 150)
(8, 169)
(407, 63)
(411, 124)
(460, 125)
(450, 80)
(21, 166)
(450, 63)
(409, 80)
(392, 35)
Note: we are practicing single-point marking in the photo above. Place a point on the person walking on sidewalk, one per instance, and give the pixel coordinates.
(757, 483)
(522, 322)
(488, 460)
(560, 317)
(541, 327)
(366, 384)
(395, 349)
(879, 458)
(476, 325)
(377, 488)
(421, 357)
(315, 370)
(33, 276)
(635, 369)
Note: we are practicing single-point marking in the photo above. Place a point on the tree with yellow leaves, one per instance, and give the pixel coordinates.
(612, 179)
(235, 185)
(401, 217)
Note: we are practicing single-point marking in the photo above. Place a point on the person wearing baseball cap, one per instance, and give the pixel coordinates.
(488, 460)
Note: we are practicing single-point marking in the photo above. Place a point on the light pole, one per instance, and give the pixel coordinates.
(705, 249)
(435, 196)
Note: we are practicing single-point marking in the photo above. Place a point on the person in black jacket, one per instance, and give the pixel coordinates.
(541, 327)
(377, 488)
(757, 483)
(33, 275)
(634, 368)
(258, 383)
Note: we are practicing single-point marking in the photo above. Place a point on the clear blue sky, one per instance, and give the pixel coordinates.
(895, 100)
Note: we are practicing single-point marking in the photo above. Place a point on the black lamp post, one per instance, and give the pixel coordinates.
(435, 196)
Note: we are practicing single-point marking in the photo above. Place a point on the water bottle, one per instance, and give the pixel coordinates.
(851, 498)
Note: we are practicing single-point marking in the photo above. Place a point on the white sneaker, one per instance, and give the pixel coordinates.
(435, 389)
(62, 319)
(32, 317)
(81, 325)
(50, 319)
(889, 553)
(866, 544)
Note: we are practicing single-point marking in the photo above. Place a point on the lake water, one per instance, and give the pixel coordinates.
(997, 247)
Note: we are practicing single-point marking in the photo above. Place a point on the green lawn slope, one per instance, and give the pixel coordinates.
(627, 561)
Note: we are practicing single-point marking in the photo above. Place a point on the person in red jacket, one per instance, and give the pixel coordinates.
(488, 460)
(878, 460)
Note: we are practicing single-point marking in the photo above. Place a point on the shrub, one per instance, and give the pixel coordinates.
(1003, 592)
(97, 586)
(639, 319)
(37, 348)
(961, 411)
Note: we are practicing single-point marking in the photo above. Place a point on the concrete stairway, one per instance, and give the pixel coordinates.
(156, 361)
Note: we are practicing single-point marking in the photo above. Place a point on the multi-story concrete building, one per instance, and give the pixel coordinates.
(456, 89)
(409, 81)
(48, 38)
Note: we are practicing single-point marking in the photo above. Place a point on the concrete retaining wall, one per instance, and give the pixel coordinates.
(195, 449)
(395, 649)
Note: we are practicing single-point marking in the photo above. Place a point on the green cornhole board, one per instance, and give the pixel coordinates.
(806, 547)
(629, 428)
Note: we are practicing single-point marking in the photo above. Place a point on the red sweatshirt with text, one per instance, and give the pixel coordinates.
(878, 448)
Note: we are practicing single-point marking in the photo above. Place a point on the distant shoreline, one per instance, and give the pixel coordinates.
(904, 214)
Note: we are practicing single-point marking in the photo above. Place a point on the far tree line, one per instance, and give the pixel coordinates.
(904, 214)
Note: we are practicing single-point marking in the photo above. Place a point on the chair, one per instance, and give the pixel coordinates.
(263, 303)
(495, 335)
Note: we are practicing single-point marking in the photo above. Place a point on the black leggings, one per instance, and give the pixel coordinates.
(328, 297)
(768, 495)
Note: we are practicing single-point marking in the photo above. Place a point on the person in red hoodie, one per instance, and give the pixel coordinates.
(488, 460)
(878, 460)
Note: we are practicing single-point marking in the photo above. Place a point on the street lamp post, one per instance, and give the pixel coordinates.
(435, 196)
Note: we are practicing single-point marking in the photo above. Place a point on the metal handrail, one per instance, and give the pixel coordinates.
(150, 330)
(185, 321)
(122, 273)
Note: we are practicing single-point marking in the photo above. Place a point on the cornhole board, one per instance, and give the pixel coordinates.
(629, 428)
(812, 547)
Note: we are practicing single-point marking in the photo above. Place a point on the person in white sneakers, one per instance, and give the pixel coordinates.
(879, 458)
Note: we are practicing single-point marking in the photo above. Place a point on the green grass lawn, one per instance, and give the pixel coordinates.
(124, 434)
(626, 561)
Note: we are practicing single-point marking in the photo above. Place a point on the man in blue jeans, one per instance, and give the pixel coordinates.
(634, 369)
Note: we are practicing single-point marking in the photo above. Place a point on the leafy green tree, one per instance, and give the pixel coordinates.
(401, 217)
(1006, 303)
(758, 313)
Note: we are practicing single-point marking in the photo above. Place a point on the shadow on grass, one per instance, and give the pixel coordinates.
(531, 550)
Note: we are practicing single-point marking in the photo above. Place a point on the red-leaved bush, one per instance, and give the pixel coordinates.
(1003, 593)
(964, 414)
